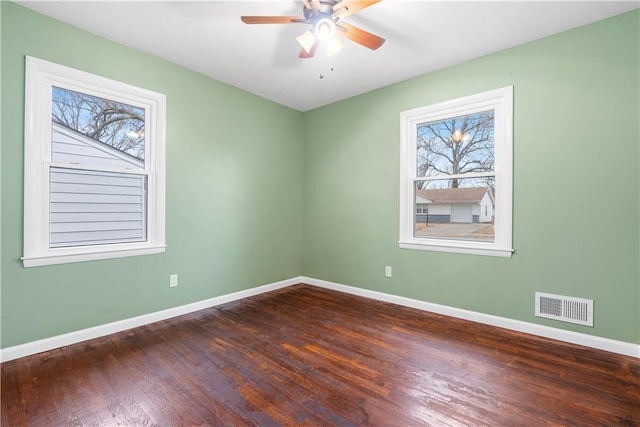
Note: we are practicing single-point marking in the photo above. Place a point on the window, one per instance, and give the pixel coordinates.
(94, 167)
(456, 175)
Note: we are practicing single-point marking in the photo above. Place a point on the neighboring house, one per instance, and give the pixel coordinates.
(93, 207)
(70, 146)
(443, 205)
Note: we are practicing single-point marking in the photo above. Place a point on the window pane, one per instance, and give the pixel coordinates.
(456, 145)
(96, 131)
(455, 209)
(92, 207)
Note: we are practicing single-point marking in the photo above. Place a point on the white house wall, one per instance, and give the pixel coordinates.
(421, 200)
(439, 209)
(71, 147)
(486, 204)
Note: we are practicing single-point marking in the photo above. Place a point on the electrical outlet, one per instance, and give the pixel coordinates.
(173, 280)
(387, 271)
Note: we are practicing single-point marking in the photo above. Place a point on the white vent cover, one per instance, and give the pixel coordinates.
(566, 309)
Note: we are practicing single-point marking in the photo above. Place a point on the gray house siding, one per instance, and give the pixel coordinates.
(439, 219)
(91, 207)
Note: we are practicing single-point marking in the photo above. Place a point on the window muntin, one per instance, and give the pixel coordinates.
(456, 180)
(94, 167)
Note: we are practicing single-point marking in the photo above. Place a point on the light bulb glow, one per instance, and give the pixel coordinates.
(457, 136)
(135, 134)
(325, 29)
(333, 46)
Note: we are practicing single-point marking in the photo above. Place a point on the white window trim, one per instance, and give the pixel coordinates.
(40, 77)
(501, 101)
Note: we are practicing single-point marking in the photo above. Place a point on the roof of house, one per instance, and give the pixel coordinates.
(84, 139)
(453, 195)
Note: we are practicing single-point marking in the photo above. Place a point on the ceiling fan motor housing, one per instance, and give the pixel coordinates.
(324, 11)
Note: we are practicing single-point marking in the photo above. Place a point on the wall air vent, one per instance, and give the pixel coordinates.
(565, 309)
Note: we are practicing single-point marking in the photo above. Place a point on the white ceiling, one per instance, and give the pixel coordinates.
(421, 36)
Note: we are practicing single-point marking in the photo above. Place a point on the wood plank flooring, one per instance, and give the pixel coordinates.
(308, 356)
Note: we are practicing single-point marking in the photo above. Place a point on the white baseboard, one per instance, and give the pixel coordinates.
(34, 347)
(57, 341)
(620, 347)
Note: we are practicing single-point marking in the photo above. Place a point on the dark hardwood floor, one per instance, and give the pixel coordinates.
(309, 356)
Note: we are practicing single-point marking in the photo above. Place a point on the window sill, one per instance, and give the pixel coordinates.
(93, 254)
(472, 248)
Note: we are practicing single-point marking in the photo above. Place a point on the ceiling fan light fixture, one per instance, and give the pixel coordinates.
(306, 40)
(325, 17)
(333, 46)
(325, 29)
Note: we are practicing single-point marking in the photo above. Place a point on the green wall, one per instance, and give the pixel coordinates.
(576, 183)
(234, 191)
(239, 169)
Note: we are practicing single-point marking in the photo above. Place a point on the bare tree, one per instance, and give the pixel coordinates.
(456, 146)
(113, 123)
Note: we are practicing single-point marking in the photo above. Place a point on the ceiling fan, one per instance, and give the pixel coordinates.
(325, 18)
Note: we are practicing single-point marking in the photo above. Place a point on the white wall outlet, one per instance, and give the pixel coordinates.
(173, 280)
(387, 271)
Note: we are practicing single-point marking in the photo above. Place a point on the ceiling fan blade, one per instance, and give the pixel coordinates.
(359, 35)
(306, 40)
(345, 8)
(310, 5)
(304, 54)
(272, 19)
